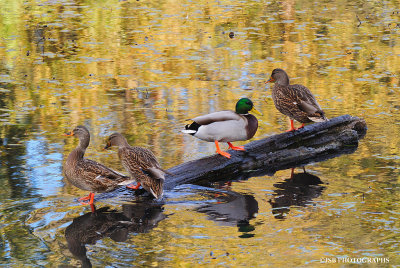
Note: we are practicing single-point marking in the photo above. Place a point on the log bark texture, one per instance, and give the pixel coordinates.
(313, 143)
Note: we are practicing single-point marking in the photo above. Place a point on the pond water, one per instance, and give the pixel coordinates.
(142, 68)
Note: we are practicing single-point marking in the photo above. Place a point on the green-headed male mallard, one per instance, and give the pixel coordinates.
(87, 174)
(295, 101)
(226, 126)
(141, 164)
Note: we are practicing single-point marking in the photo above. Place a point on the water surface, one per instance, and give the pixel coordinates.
(142, 68)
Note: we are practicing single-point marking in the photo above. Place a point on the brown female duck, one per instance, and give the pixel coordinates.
(87, 174)
(295, 101)
(141, 164)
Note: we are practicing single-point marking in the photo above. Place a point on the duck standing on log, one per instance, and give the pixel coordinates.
(226, 126)
(141, 164)
(295, 101)
(87, 174)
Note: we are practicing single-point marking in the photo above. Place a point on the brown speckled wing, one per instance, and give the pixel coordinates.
(92, 176)
(138, 158)
(94, 169)
(303, 94)
(308, 103)
(297, 102)
(141, 164)
(284, 99)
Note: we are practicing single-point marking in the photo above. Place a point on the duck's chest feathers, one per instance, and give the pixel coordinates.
(72, 161)
(252, 125)
(124, 158)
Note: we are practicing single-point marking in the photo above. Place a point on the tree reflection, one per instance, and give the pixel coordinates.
(12, 162)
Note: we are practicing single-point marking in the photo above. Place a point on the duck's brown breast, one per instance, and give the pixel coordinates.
(252, 125)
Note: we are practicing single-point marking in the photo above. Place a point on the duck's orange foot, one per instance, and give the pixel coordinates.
(292, 128)
(236, 148)
(84, 198)
(89, 198)
(227, 155)
(135, 187)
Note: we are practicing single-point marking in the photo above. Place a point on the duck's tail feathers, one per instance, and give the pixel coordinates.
(191, 129)
(188, 131)
(122, 175)
(155, 173)
(126, 182)
(318, 119)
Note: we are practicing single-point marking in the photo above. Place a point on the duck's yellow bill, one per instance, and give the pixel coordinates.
(254, 110)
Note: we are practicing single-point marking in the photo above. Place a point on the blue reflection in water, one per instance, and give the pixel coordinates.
(44, 166)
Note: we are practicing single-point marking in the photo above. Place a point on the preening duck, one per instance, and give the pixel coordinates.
(141, 164)
(226, 126)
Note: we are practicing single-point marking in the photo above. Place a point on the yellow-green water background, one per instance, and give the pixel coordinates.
(142, 68)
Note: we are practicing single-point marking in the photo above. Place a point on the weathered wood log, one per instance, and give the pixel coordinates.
(313, 143)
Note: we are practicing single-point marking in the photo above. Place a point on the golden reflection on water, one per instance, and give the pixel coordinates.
(144, 67)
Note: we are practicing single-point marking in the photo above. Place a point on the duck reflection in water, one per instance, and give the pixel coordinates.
(232, 209)
(298, 190)
(106, 222)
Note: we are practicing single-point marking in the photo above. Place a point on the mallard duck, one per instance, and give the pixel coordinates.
(141, 164)
(295, 101)
(226, 126)
(87, 174)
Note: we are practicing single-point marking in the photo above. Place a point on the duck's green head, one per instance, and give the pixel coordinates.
(244, 106)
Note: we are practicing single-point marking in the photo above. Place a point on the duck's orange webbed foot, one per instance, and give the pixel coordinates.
(292, 128)
(227, 155)
(236, 148)
(135, 187)
(90, 197)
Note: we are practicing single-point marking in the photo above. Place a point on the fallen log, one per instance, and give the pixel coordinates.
(313, 143)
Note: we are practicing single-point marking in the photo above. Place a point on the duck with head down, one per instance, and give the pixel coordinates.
(87, 174)
(141, 164)
(295, 101)
(226, 126)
